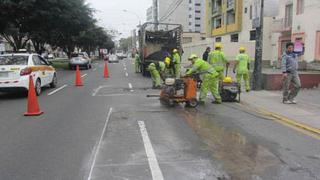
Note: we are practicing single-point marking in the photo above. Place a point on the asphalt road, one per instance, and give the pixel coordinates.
(109, 130)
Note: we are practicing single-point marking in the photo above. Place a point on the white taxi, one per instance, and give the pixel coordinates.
(16, 68)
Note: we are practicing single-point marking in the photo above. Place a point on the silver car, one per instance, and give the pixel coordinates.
(80, 59)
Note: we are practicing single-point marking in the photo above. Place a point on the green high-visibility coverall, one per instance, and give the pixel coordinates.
(218, 60)
(137, 62)
(208, 76)
(242, 70)
(155, 75)
(177, 64)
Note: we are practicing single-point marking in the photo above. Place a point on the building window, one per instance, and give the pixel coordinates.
(289, 14)
(190, 1)
(245, 10)
(218, 39)
(197, 25)
(234, 37)
(197, 11)
(190, 23)
(190, 8)
(250, 14)
(230, 3)
(231, 17)
(300, 7)
(253, 35)
(216, 6)
(197, 4)
(190, 16)
(197, 18)
(217, 22)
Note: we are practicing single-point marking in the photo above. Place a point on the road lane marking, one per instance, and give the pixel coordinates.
(125, 69)
(94, 69)
(130, 87)
(60, 88)
(95, 91)
(99, 143)
(127, 74)
(152, 159)
(84, 75)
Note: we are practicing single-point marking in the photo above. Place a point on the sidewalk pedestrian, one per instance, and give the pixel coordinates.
(289, 66)
(206, 54)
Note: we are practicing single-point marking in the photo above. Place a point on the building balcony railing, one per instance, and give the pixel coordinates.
(282, 25)
(216, 11)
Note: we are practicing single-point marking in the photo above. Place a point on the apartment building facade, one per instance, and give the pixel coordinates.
(297, 22)
(189, 13)
(231, 23)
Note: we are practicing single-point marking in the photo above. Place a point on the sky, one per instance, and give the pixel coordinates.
(110, 14)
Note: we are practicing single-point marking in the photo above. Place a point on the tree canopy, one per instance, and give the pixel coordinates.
(60, 23)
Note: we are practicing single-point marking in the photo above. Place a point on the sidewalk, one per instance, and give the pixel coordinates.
(305, 114)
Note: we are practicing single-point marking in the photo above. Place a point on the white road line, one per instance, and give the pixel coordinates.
(95, 91)
(60, 88)
(127, 74)
(99, 144)
(84, 75)
(152, 159)
(130, 85)
(125, 68)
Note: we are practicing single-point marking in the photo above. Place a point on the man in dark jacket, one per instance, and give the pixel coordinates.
(289, 66)
(206, 54)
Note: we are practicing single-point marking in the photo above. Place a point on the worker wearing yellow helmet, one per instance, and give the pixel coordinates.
(160, 70)
(208, 76)
(176, 60)
(218, 60)
(241, 68)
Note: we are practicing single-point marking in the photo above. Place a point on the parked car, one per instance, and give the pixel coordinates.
(16, 68)
(80, 59)
(120, 54)
(113, 59)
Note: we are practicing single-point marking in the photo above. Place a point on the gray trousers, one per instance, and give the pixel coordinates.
(292, 78)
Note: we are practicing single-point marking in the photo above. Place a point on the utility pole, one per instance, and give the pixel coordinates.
(155, 13)
(257, 73)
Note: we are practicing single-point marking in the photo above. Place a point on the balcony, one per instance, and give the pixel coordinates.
(282, 25)
(216, 11)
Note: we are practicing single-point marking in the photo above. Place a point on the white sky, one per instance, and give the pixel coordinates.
(110, 14)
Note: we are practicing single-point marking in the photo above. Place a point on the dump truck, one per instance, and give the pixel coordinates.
(156, 42)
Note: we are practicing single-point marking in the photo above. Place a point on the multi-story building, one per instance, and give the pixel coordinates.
(150, 16)
(189, 13)
(231, 23)
(297, 22)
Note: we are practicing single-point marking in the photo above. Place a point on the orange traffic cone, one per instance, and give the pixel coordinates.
(78, 77)
(33, 105)
(106, 70)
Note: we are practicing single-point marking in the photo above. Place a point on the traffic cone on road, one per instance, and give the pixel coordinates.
(106, 70)
(33, 105)
(78, 77)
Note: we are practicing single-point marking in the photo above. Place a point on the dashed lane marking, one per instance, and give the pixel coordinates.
(127, 74)
(99, 144)
(152, 159)
(84, 75)
(55, 91)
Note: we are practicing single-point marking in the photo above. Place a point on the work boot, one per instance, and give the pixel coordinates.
(217, 102)
(202, 103)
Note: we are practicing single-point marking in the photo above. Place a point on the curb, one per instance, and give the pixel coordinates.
(284, 119)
